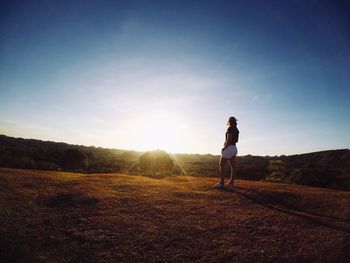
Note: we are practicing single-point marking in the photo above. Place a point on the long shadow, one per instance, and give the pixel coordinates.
(287, 209)
(270, 198)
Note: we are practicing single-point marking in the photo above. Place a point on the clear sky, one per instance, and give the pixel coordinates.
(167, 74)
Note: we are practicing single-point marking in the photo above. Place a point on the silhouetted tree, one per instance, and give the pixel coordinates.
(326, 168)
(73, 159)
(156, 161)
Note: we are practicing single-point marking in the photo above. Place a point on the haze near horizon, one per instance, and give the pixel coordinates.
(145, 75)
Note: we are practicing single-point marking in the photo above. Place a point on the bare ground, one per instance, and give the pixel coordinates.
(66, 217)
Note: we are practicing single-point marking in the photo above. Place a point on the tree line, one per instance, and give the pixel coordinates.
(322, 169)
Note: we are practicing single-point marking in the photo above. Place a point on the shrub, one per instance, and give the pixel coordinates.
(156, 161)
(73, 159)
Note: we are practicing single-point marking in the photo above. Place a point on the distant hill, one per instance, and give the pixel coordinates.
(329, 169)
(47, 155)
(323, 169)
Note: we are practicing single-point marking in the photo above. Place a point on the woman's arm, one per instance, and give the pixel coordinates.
(228, 140)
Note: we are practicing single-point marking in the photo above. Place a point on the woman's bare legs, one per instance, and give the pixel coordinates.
(223, 161)
(232, 163)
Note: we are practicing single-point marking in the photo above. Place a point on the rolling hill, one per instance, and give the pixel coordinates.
(49, 216)
(330, 169)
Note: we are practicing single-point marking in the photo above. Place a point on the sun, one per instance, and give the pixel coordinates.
(160, 131)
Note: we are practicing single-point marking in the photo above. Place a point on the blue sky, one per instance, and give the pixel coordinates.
(167, 74)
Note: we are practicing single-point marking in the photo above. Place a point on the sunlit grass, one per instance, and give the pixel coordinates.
(71, 217)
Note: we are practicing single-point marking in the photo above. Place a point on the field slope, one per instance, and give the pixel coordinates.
(66, 217)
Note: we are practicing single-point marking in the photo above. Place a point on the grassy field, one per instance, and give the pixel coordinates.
(67, 217)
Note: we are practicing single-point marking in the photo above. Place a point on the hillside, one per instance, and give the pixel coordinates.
(330, 169)
(48, 155)
(71, 217)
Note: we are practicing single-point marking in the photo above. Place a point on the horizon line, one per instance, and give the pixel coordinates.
(174, 153)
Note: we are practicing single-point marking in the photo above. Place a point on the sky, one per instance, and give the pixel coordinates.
(143, 75)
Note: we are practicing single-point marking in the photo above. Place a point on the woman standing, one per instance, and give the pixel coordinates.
(229, 152)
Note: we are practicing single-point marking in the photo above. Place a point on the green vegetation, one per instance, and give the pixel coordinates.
(156, 162)
(323, 169)
(45, 155)
(74, 159)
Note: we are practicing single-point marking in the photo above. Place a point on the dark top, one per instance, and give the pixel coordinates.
(235, 133)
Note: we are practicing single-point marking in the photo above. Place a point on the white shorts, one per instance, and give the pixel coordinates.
(229, 152)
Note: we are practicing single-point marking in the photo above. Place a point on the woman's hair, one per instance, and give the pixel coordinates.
(232, 121)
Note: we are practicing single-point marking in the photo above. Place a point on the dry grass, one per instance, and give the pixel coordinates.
(65, 217)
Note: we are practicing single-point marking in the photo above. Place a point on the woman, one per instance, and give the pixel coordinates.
(229, 152)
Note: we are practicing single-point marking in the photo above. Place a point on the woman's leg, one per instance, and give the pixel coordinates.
(223, 161)
(232, 163)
